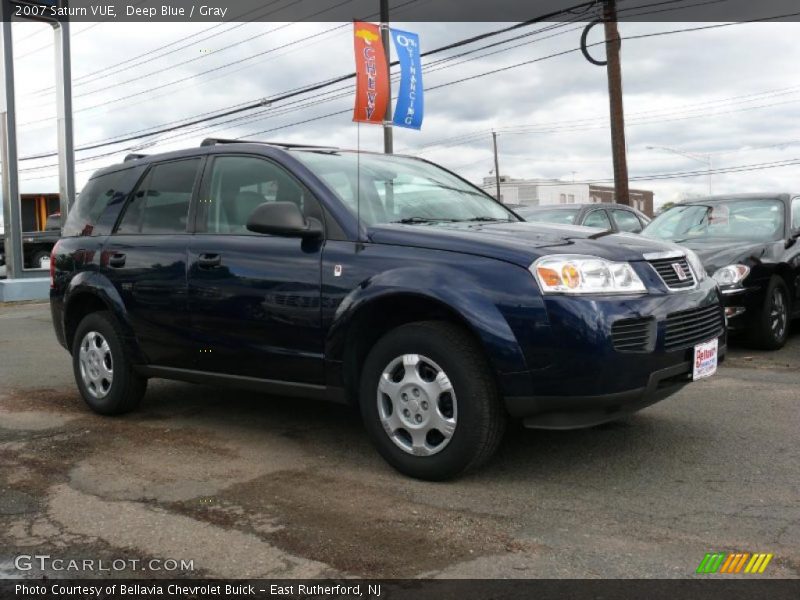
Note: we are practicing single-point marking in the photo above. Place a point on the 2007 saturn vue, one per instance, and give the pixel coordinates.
(382, 281)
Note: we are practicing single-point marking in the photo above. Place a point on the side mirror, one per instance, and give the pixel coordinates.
(283, 218)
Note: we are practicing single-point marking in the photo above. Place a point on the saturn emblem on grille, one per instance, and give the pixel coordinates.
(680, 271)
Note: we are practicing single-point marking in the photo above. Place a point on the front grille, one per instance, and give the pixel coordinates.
(634, 335)
(689, 327)
(669, 268)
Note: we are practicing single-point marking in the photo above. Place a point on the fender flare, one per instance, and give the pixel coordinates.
(92, 283)
(463, 296)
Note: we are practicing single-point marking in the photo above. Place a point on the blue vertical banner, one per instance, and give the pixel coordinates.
(409, 109)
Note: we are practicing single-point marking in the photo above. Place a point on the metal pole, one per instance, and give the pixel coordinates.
(8, 154)
(614, 69)
(388, 141)
(66, 146)
(496, 166)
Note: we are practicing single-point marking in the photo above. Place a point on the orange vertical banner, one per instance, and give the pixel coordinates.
(372, 74)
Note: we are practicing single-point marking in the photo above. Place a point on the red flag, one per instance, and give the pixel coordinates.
(372, 74)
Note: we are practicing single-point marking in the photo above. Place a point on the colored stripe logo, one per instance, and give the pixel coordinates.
(735, 562)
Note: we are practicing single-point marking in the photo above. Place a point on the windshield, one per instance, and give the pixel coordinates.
(562, 216)
(394, 189)
(752, 220)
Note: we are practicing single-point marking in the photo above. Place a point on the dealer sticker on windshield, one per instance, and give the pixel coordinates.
(705, 359)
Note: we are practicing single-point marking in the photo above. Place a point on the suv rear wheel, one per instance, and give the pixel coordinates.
(103, 371)
(429, 401)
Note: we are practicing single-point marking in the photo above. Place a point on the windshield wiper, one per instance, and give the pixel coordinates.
(413, 220)
(485, 220)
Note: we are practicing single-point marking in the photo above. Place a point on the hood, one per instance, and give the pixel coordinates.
(716, 253)
(519, 243)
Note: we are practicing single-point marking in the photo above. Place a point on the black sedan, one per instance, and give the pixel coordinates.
(749, 244)
(608, 217)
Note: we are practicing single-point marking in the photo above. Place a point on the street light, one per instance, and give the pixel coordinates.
(703, 158)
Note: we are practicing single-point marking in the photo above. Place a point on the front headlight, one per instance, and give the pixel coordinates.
(577, 274)
(731, 275)
(696, 264)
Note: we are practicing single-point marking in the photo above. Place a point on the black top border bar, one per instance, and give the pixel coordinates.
(148, 11)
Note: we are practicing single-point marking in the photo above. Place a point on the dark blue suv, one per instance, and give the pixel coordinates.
(382, 281)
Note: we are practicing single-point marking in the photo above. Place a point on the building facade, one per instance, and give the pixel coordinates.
(542, 192)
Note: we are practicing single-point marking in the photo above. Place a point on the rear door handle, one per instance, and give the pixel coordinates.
(117, 260)
(209, 261)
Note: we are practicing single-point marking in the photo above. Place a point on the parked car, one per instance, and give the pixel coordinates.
(41, 225)
(749, 243)
(608, 217)
(382, 281)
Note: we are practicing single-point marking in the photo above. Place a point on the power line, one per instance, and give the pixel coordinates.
(302, 90)
(694, 173)
(449, 46)
(148, 56)
(641, 118)
(212, 70)
(147, 93)
(77, 33)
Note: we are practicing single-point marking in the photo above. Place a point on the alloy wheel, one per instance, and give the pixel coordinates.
(96, 364)
(417, 405)
(778, 315)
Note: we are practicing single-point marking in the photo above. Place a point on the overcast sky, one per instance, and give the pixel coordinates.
(731, 92)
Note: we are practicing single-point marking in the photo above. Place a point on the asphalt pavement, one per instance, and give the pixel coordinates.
(242, 485)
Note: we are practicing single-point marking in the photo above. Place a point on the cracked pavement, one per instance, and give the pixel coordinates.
(253, 486)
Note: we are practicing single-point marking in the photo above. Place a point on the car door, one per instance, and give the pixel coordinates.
(597, 218)
(254, 298)
(626, 221)
(145, 259)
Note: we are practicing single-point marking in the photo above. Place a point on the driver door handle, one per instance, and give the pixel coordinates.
(117, 260)
(209, 261)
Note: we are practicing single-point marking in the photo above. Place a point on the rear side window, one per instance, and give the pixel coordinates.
(161, 202)
(98, 195)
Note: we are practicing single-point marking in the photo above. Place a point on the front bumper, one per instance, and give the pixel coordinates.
(576, 412)
(743, 305)
(585, 380)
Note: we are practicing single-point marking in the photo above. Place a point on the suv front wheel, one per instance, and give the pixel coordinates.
(429, 401)
(103, 371)
(770, 328)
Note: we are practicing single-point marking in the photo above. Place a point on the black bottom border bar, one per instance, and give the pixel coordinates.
(357, 589)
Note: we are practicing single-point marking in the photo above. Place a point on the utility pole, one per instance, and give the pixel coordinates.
(8, 155)
(496, 166)
(388, 141)
(614, 69)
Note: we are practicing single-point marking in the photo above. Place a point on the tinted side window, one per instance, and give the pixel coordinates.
(239, 184)
(598, 219)
(161, 202)
(627, 221)
(99, 194)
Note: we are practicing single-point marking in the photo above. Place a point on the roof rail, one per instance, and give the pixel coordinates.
(134, 157)
(215, 141)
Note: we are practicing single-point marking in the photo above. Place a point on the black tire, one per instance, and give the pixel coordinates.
(481, 419)
(763, 331)
(37, 258)
(126, 387)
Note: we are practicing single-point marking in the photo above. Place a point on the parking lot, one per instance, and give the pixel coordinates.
(251, 486)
